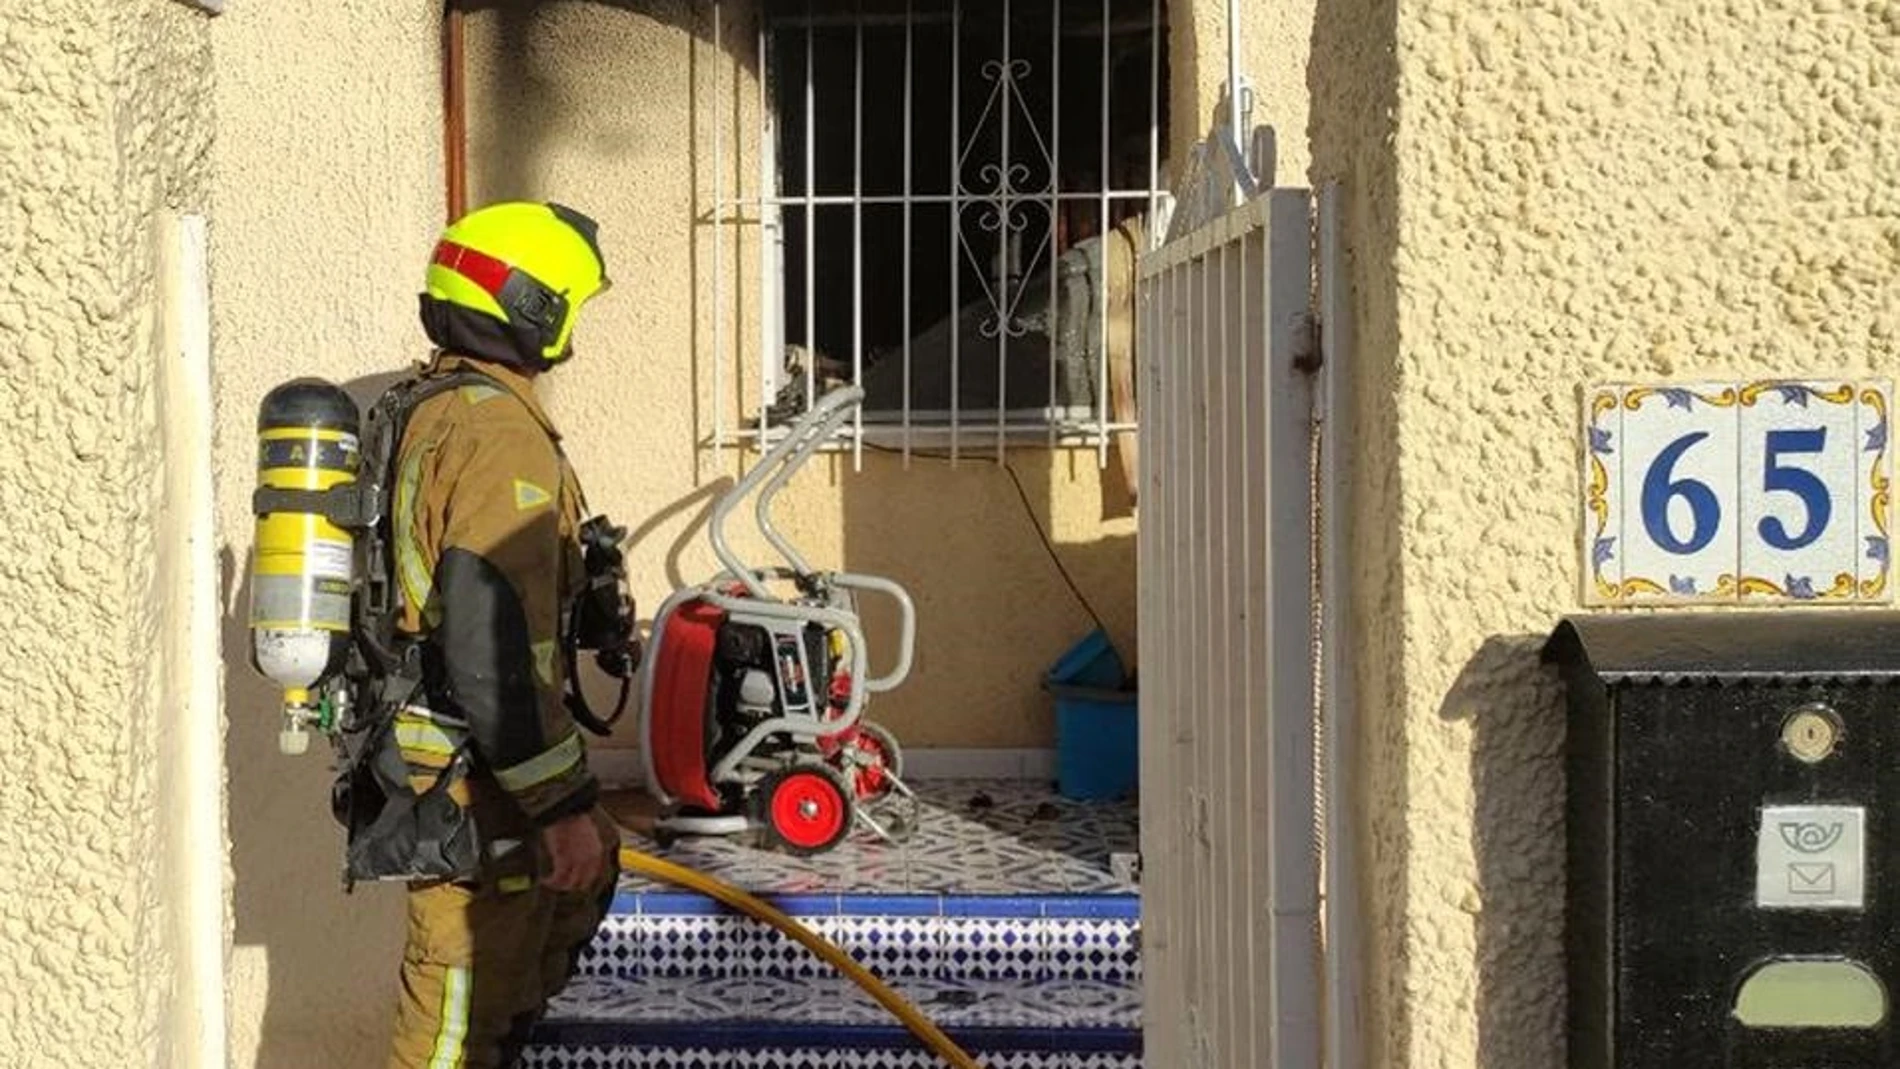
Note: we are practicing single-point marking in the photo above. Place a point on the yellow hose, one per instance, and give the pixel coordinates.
(680, 876)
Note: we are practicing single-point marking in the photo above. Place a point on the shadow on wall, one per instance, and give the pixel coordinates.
(523, 86)
(318, 947)
(607, 105)
(993, 609)
(1352, 77)
(1516, 714)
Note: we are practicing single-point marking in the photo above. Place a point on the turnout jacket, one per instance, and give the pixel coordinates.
(485, 521)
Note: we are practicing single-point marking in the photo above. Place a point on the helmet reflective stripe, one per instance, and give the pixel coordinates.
(525, 301)
(478, 267)
(528, 265)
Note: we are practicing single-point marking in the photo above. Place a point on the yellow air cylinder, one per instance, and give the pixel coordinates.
(302, 565)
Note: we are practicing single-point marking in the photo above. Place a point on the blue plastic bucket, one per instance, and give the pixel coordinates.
(1097, 743)
(1096, 724)
(1091, 662)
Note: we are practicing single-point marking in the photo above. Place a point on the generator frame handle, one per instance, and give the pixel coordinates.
(772, 472)
(907, 632)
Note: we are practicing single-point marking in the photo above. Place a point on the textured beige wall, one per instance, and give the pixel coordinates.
(1275, 41)
(612, 107)
(326, 204)
(1573, 192)
(328, 196)
(104, 127)
(1353, 80)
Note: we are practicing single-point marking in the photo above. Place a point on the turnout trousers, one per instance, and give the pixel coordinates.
(484, 957)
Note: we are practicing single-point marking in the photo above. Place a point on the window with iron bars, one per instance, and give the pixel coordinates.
(955, 191)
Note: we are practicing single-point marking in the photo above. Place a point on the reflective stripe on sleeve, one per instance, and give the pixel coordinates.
(555, 761)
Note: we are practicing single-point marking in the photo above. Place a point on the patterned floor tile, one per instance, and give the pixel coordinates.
(1001, 937)
(974, 837)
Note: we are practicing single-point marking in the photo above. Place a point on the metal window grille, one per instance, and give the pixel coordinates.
(953, 194)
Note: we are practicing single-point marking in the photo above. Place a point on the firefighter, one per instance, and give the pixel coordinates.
(484, 523)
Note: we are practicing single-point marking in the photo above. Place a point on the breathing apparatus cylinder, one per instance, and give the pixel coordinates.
(303, 563)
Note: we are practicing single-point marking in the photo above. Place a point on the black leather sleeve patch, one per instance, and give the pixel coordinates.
(487, 660)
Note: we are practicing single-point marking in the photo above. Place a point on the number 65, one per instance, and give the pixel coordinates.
(1705, 510)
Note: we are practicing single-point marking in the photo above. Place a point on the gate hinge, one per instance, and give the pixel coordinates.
(1306, 350)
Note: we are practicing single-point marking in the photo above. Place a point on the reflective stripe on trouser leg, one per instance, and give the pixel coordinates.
(452, 1033)
(467, 970)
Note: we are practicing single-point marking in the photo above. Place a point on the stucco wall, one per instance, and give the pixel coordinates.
(1275, 41)
(324, 211)
(104, 127)
(612, 107)
(328, 195)
(1573, 193)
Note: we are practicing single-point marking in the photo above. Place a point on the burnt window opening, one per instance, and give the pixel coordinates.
(945, 173)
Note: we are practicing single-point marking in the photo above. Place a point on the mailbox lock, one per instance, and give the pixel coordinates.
(1811, 733)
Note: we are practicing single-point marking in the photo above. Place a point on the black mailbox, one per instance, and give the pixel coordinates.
(1734, 839)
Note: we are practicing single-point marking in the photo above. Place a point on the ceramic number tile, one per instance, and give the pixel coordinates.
(1874, 409)
(1799, 494)
(1678, 470)
(1603, 494)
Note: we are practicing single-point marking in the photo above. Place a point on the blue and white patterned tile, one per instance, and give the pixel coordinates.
(959, 1002)
(891, 947)
(1089, 1003)
(706, 1058)
(982, 949)
(696, 946)
(1680, 546)
(618, 949)
(1103, 950)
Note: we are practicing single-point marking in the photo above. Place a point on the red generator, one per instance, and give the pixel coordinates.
(755, 685)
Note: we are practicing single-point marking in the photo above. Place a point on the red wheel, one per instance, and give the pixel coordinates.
(807, 808)
(876, 760)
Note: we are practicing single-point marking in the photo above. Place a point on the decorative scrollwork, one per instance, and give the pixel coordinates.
(1008, 177)
(1003, 295)
(1002, 183)
(996, 70)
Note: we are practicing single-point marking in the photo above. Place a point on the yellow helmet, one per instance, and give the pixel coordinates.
(508, 280)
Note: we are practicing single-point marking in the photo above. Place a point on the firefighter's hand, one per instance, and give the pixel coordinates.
(575, 858)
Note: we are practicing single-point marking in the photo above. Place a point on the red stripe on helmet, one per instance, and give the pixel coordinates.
(478, 267)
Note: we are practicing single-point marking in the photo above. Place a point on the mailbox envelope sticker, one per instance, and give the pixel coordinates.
(1811, 857)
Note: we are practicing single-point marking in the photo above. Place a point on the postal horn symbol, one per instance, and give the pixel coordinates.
(1811, 837)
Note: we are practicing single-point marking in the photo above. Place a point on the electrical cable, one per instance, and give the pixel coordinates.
(1029, 510)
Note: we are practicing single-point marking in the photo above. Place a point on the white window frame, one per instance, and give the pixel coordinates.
(998, 205)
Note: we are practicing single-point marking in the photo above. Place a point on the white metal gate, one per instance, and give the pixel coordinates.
(1230, 888)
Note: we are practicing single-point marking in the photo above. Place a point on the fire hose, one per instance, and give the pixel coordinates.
(680, 876)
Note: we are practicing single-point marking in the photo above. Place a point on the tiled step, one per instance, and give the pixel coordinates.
(1021, 982)
(819, 1057)
(760, 1015)
(946, 937)
(1004, 920)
